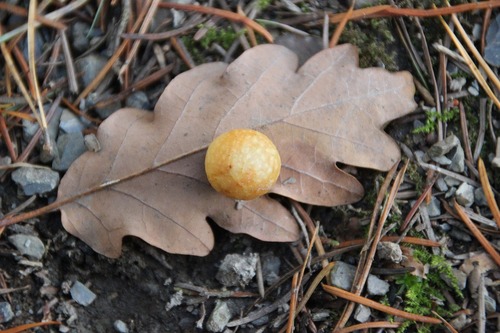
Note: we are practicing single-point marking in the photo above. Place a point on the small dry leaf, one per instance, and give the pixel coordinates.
(327, 111)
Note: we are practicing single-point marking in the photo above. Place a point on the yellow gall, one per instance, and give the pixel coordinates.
(242, 164)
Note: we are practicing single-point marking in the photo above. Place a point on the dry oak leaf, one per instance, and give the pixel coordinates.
(325, 112)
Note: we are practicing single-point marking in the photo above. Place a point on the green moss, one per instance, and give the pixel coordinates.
(263, 4)
(433, 117)
(222, 36)
(413, 172)
(375, 38)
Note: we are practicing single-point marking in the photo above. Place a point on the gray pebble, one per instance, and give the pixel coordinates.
(6, 313)
(120, 326)
(81, 294)
(79, 32)
(138, 100)
(237, 269)
(479, 197)
(450, 181)
(442, 160)
(441, 184)
(28, 245)
(492, 49)
(465, 195)
(457, 159)
(434, 207)
(70, 147)
(219, 317)
(443, 147)
(6, 160)
(389, 251)
(70, 122)
(90, 66)
(445, 227)
(92, 143)
(342, 276)
(460, 235)
(362, 313)
(376, 286)
(35, 180)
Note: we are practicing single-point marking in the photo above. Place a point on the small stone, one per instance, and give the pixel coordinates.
(270, 268)
(342, 276)
(443, 147)
(79, 33)
(362, 313)
(90, 66)
(445, 227)
(120, 326)
(81, 294)
(460, 321)
(35, 180)
(70, 122)
(457, 160)
(139, 100)
(479, 197)
(70, 147)
(492, 49)
(465, 195)
(389, 251)
(219, 317)
(450, 181)
(92, 143)
(6, 313)
(460, 235)
(441, 185)
(28, 245)
(473, 89)
(376, 286)
(6, 160)
(434, 207)
(457, 84)
(442, 160)
(237, 270)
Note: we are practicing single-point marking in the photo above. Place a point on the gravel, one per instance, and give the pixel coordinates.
(237, 270)
(35, 180)
(81, 294)
(28, 245)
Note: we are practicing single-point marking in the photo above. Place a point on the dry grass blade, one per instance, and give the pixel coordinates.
(488, 192)
(22, 328)
(475, 231)
(6, 137)
(17, 77)
(51, 16)
(123, 46)
(491, 75)
(336, 35)
(144, 27)
(377, 306)
(387, 11)
(447, 324)
(470, 63)
(367, 259)
(365, 326)
(314, 284)
(222, 13)
(32, 65)
(293, 302)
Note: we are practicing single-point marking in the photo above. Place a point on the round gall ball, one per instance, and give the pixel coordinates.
(242, 164)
